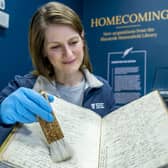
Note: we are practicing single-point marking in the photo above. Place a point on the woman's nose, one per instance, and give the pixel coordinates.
(67, 51)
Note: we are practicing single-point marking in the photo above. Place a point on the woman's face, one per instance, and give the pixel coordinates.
(64, 48)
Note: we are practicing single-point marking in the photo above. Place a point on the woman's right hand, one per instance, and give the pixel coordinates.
(24, 105)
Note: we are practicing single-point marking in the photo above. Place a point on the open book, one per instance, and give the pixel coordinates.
(133, 136)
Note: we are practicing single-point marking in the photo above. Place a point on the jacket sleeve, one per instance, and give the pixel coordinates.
(27, 80)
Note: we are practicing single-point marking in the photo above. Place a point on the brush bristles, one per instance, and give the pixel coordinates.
(60, 151)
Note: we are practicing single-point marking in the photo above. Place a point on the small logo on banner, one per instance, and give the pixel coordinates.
(97, 105)
(127, 51)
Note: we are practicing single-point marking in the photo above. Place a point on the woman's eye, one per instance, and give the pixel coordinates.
(73, 42)
(55, 47)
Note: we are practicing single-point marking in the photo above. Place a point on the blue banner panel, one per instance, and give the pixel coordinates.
(128, 40)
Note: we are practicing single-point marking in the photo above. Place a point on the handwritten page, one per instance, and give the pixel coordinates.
(136, 135)
(81, 130)
(81, 127)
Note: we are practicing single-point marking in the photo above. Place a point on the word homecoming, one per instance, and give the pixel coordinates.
(132, 18)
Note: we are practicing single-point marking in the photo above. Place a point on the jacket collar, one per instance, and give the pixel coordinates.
(91, 80)
(43, 83)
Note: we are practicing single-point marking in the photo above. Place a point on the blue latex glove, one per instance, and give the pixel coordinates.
(24, 105)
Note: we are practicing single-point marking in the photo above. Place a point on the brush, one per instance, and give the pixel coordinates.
(58, 147)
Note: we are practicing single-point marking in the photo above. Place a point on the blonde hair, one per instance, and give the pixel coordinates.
(52, 13)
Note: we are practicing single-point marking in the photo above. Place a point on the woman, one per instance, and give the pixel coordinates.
(62, 68)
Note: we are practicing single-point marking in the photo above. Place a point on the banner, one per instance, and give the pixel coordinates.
(128, 44)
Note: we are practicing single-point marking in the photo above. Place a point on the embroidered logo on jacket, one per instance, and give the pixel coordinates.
(97, 105)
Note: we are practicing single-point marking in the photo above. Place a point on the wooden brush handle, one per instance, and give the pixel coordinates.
(51, 130)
